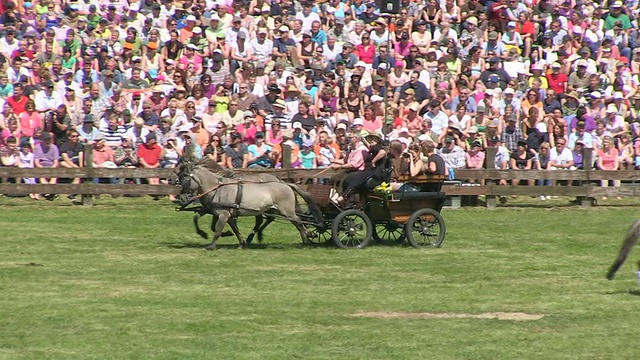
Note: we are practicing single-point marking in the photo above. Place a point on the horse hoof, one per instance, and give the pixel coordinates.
(249, 238)
(210, 247)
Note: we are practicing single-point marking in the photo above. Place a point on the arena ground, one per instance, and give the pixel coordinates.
(127, 279)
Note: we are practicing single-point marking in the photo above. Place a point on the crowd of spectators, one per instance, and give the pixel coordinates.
(145, 81)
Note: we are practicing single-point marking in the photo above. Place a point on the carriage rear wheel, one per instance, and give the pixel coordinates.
(425, 228)
(389, 233)
(351, 229)
(320, 234)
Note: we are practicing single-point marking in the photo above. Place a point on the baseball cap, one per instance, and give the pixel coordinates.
(357, 121)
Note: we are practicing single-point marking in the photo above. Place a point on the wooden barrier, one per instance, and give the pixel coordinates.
(589, 180)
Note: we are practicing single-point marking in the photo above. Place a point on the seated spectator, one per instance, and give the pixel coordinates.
(71, 154)
(260, 154)
(521, 159)
(10, 155)
(308, 158)
(87, 132)
(47, 155)
(149, 156)
(126, 155)
(215, 151)
(608, 160)
(27, 161)
(103, 157)
(452, 154)
(236, 152)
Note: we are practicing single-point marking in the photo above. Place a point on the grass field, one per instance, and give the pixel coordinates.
(126, 281)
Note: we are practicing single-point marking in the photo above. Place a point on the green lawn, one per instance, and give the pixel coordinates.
(128, 279)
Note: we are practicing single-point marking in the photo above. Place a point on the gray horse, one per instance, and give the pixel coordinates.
(182, 174)
(629, 242)
(226, 199)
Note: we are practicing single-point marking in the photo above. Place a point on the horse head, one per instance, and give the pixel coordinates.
(181, 172)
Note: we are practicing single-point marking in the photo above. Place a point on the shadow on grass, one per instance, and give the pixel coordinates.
(253, 246)
(634, 292)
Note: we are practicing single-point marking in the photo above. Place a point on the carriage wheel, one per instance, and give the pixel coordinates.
(425, 228)
(389, 233)
(351, 229)
(320, 234)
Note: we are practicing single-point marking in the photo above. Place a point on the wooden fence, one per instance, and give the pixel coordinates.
(582, 184)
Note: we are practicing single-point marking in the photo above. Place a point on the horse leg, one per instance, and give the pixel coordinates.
(196, 217)
(303, 231)
(256, 228)
(270, 219)
(217, 225)
(234, 227)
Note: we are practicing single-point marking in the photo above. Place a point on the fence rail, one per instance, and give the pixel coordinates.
(588, 179)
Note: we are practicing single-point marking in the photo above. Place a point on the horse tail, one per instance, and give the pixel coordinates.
(629, 242)
(311, 204)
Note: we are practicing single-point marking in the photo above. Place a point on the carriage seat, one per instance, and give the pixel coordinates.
(426, 182)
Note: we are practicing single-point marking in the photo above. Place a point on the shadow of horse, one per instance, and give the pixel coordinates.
(253, 246)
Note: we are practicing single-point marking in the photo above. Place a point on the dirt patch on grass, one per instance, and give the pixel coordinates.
(513, 316)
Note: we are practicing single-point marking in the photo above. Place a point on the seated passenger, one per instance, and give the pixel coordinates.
(432, 164)
(404, 163)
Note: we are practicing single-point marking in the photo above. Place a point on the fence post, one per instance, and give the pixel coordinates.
(87, 199)
(587, 165)
(587, 158)
(286, 159)
(490, 162)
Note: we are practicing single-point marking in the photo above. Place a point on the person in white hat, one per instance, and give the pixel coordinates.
(511, 38)
(510, 99)
(615, 123)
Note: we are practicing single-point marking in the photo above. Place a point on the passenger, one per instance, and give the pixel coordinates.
(404, 163)
(432, 164)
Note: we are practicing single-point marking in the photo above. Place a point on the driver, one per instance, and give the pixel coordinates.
(367, 157)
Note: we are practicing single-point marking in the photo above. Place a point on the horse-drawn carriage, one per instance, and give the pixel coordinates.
(414, 216)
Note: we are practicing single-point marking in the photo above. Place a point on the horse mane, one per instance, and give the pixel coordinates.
(210, 164)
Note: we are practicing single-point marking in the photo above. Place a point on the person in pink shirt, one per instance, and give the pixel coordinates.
(608, 160)
(366, 51)
(371, 123)
(191, 57)
(30, 119)
(248, 128)
(403, 47)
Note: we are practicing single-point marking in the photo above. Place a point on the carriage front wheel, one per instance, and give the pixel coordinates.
(425, 228)
(351, 229)
(320, 234)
